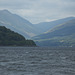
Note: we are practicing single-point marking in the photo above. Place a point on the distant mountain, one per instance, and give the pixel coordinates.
(10, 38)
(45, 26)
(61, 35)
(17, 24)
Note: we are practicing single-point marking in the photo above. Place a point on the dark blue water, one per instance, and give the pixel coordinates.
(37, 61)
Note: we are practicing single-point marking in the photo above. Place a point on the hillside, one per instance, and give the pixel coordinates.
(10, 38)
(17, 24)
(45, 26)
(61, 35)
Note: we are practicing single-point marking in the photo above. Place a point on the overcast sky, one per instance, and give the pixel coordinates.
(40, 10)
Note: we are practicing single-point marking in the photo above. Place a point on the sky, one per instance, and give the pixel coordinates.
(40, 10)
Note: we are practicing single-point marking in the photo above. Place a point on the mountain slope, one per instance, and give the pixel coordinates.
(17, 24)
(45, 26)
(62, 35)
(10, 38)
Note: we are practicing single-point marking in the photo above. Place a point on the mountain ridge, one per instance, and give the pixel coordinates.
(45, 26)
(62, 35)
(17, 24)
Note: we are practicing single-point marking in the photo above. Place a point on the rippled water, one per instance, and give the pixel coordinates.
(37, 61)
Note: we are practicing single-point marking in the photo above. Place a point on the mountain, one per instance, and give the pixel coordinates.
(45, 26)
(10, 38)
(24, 27)
(62, 35)
(17, 24)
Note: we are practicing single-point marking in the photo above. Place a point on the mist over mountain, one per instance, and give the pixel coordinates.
(45, 26)
(17, 24)
(61, 35)
(55, 33)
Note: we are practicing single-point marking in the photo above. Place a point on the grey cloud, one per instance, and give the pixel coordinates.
(15, 4)
(69, 0)
(40, 10)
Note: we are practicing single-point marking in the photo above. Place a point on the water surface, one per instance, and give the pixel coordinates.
(37, 61)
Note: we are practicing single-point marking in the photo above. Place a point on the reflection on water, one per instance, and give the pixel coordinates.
(37, 61)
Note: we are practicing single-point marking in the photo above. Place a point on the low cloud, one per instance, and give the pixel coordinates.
(40, 10)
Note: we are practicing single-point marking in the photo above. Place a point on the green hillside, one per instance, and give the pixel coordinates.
(61, 35)
(10, 38)
(17, 24)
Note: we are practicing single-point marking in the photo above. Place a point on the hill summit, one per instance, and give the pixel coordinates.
(10, 38)
(17, 24)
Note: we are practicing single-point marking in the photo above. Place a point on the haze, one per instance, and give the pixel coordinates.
(40, 10)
